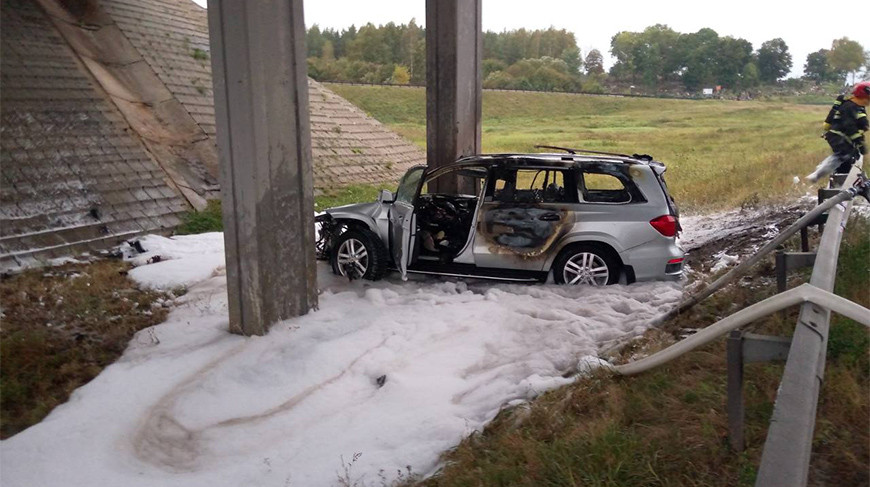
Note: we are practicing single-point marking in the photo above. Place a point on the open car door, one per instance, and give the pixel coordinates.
(402, 219)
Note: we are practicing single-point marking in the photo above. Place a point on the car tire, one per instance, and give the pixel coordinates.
(588, 263)
(359, 253)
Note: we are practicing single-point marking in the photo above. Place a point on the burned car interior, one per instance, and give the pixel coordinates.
(444, 221)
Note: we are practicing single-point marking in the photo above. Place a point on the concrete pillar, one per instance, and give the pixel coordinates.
(454, 48)
(264, 145)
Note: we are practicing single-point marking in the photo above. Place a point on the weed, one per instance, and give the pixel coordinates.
(199, 54)
(208, 220)
(345, 479)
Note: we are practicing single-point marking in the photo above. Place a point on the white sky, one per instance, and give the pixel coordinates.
(805, 26)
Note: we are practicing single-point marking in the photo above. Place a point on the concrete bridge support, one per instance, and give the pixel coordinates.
(454, 49)
(264, 145)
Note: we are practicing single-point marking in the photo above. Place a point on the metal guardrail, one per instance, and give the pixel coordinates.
(786, 455)
(785, 459)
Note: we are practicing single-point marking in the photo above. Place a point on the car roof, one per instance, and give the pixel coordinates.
(552, 159)
(545, 159)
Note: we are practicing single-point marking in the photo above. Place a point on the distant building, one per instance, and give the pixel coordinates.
(108, 126)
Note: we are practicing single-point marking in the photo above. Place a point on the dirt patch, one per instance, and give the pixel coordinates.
(711, 239)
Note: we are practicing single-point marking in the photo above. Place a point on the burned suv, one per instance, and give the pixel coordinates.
(588, 217)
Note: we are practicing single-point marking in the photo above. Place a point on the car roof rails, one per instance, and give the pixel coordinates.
(585, 151)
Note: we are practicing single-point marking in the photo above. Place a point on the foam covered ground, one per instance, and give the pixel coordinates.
(384, 376)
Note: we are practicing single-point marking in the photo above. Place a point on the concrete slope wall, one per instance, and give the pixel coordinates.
(108, 126)
(74, 177)
(348, 146)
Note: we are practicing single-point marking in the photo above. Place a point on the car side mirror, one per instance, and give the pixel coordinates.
(385, 196)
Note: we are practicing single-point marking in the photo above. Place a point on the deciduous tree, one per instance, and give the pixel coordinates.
(594, 62)
(847, 56)
(817, 67)
(774, 60)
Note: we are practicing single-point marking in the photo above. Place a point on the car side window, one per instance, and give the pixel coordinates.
(407, 190)
(599, 187)
(530, 186)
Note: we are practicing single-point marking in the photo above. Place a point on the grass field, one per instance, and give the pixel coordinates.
(719, 154)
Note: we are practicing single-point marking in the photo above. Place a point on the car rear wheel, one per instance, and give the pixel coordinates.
(587, 264)
(359, 253)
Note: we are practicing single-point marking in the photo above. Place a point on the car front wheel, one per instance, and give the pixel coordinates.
(587, 264)
(359, 253)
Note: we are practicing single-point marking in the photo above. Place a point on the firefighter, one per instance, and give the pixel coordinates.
(845, 126)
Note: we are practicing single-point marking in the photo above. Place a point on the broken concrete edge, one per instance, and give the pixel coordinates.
(82, 252)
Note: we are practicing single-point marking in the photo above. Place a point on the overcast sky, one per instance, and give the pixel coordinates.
(806, 27)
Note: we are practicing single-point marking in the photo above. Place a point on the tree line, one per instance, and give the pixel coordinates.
(549, 60)
(704, 58)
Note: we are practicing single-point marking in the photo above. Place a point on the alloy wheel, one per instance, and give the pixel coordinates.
(586, 268)
(353, 258)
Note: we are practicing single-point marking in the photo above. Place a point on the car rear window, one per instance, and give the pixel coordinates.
(607, 183)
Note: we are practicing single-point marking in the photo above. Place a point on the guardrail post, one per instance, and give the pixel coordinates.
(805, 240)
(744, 348)
(781, 272)
(786, 261)
(735, 391)
(825, 194)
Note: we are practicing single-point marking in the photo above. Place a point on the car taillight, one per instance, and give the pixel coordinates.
(665, 225)
(674, 266)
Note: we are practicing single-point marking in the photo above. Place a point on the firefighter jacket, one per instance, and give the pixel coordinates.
(848, 119)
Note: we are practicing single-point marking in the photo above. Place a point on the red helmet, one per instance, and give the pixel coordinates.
(862, 90)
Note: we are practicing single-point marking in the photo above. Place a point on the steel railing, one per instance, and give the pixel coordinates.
(786, 455)
(785, 459)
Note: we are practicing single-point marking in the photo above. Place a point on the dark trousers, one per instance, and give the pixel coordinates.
(844, 150)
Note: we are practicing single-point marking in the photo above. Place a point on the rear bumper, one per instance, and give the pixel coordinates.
(657, 260)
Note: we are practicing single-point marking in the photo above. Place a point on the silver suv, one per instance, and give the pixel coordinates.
(588, 217)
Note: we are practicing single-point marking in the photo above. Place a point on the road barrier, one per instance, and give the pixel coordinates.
(786, 455)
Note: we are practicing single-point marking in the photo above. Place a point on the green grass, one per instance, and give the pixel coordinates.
(207, 220)
(357, 193)
(199, 54)
(210, 220)
(719, 154)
